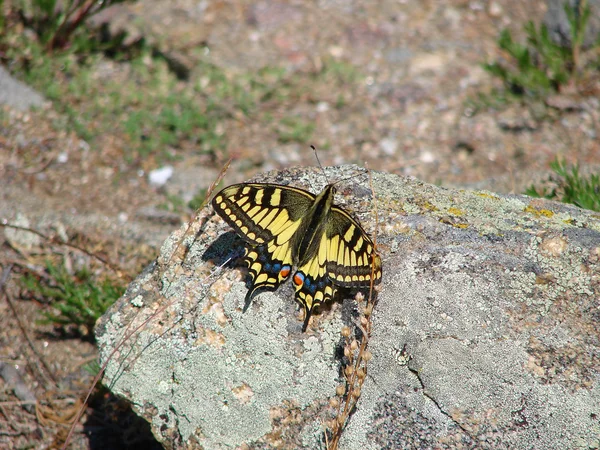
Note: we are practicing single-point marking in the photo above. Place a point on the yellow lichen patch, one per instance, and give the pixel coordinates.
(487, 195)
(211, 338)
(538, 212)
(456, 211)
(461, 225)
(243, 393)
(554, 246)
(428, 206)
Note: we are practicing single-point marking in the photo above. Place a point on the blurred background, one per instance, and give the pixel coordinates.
(118, 115)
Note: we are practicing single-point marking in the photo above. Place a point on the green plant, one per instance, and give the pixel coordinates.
(158, 121)
(537, 72)
(293, 129)
(198, 200)
(343, 72)
(570, 187)
(2, 18)
(139, 110)
(172, 203)
(92, 367)
(578, 18)
(78, 300)
(541, 66)
(57, 22)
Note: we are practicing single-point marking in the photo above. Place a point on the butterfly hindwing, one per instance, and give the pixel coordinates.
(352, 259)
(346, 258)
(313, 286)
(287, 227)
(265, 271)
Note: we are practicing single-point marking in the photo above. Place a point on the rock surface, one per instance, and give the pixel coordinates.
(558, 24)
(17, 95)
(494, 299)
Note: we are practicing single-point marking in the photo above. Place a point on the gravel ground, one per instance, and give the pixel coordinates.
(420, 66)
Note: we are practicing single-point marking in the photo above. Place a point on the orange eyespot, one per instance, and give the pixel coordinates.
(285, 272)
(298, 279)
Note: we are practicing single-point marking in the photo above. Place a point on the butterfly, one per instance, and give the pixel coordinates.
(286, 227)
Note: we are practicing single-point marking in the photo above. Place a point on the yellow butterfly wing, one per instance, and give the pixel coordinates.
(286, 226)
(267, 217)
(346, 258)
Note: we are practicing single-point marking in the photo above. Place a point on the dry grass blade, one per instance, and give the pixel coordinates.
(57, 412)
(209, 192)
(357, 354)
(55, 240)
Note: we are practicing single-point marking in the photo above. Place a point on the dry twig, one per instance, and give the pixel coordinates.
(357, 355)
(47, 373)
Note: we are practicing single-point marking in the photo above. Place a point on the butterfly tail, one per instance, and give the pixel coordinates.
(248, 299)
(307, 314)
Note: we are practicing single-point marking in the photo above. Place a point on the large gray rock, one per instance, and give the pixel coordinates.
(496, 299)
(16, 94)
(558, 24)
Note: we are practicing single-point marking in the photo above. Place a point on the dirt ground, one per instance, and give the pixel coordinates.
(420, 62)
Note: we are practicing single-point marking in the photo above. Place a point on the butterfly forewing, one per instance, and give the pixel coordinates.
(259, 212)
(267, 217)
(286, 227)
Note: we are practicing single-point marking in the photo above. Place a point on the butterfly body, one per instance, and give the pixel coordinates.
(287, 227)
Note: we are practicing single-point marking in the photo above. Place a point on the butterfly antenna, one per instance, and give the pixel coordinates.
(319, 161)
(349, 178)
